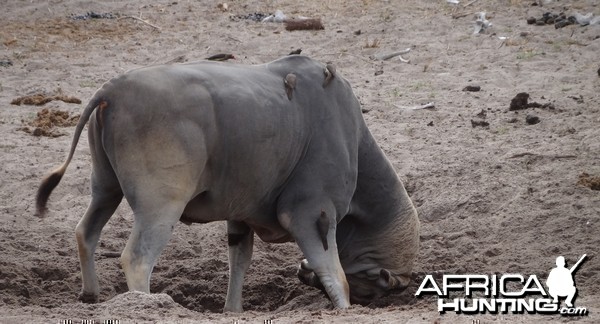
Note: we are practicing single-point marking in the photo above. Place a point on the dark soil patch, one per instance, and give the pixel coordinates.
(255, 16)
(532, 120)
(479, 123)
(472, 88)
(94, 15)
(521, 102)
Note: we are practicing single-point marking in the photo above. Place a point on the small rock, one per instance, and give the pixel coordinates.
(255, 16)
(565, 22)
(472, 88)
(549, 17)
(37, 132)
(519, 101)
(430, 123)
(579, 99)
(94, 15)
(480, 123)
(532, 120)
(531, 20)
(548, 105)
(223, 6)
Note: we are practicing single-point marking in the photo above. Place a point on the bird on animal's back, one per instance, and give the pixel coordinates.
(221, 57)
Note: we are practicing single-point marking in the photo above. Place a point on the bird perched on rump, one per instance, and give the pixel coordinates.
(296, 52)
(221, 57)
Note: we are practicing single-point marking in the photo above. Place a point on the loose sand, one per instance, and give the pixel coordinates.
(504, 198)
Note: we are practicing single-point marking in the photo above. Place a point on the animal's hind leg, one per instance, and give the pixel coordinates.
(155, 217)
(87, 232)
(240, 239)
(106, 196)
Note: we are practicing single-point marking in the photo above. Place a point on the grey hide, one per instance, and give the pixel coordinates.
(279, 149)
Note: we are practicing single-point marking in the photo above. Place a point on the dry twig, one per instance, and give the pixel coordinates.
(558, 156)
(429, 105)
(140, 19)
(111, 254)
(470, 3)
(387, 56)
(463, 14)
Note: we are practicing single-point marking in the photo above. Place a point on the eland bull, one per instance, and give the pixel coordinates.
(279, 150)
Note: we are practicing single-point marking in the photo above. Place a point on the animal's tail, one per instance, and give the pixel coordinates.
(51, 181)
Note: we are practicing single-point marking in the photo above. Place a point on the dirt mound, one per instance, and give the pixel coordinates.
(42, 99)
(144, 307)
(587, 180)
(46, 121)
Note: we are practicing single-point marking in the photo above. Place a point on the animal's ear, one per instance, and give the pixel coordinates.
(389, 281)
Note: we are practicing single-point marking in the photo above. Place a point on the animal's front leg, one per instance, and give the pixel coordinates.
(154, 221)
(313, 225)
(240, 239)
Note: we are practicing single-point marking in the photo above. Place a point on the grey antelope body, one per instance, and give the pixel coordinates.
(287, 158)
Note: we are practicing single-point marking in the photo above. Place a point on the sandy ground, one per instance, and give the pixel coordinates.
(504, 198)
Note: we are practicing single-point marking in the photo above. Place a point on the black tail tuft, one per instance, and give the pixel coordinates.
(44, 191)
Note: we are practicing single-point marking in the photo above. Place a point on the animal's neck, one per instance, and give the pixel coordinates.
(380, 197)
(382, 220)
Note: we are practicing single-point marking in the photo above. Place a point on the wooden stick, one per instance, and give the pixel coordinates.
(111, 254)
(429, 105)
(384, 57)
(463, 14)
(559, 156)
(470, 3)
(142, 20)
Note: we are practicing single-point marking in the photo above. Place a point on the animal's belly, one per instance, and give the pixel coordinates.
(206, 208)
(270, 231)
(203, 209)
